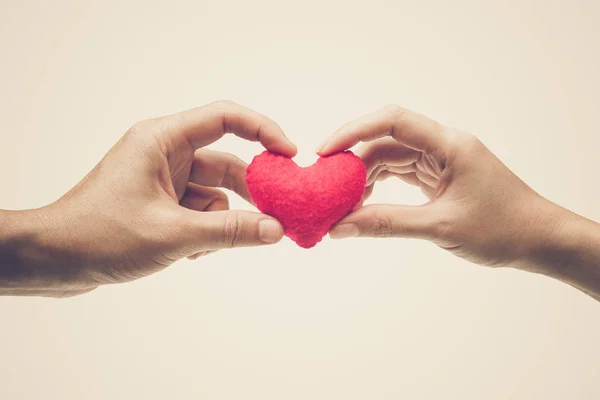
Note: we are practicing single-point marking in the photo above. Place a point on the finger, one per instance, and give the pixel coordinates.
(428, 191)
(413, 130)
(217, 169)
(387, 221)
(366, 195)
(204, 125)
(410, 178)
(386, 151)
(406, 169)
(386, 175)
(426, 178)
(200, 198)
(227, 229)
(380, 174)
(427, 164)
(372, 178)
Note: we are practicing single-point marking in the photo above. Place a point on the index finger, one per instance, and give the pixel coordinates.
(217, 169)
(413, 130)
(204, 125)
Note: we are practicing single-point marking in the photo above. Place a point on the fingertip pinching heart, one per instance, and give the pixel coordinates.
(307, 201)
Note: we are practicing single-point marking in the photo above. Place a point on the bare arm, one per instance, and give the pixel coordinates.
(478, 209)
(571, 255)
(153, 199)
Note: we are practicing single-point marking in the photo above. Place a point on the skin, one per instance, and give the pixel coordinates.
(152, 200)
(478, 209)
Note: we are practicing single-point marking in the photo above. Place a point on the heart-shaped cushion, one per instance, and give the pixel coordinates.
(306, 201)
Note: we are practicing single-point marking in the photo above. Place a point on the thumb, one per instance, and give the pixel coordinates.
(214, 230)
(383, 220)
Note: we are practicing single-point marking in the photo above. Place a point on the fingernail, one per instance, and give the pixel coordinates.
(344, 231)
(269, 231)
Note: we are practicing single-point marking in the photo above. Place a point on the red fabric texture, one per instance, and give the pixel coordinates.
(306, 201)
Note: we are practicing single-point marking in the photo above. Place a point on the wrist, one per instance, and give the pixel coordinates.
(567, 248)
(33, 254)
(544, 240)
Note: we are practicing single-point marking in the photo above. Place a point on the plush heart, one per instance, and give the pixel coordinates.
(307, 201)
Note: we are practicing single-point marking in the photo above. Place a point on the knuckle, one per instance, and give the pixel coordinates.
(394, 110)
(463, 140)
(223, 104)
(222, 198)
(469, 138)
(232, 160)
(370, 153)
(226, 111)
(379, 156)
(148, 133)
(232, 230)
(220, 195)
(396, 117)
(382, 225)
(142, 127)
(443, 226)
(228, 180)
(441, 229)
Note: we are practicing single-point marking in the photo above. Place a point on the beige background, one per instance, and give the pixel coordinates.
(357, 319)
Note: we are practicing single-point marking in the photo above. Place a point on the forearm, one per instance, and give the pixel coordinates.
(571, 252)
(17, 233)
(29, 262)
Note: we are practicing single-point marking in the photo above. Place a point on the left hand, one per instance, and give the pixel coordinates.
(478, 209)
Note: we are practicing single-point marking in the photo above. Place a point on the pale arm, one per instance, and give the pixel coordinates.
(478, 209)
(571, 255)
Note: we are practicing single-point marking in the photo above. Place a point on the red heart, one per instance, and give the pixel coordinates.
(307, 201)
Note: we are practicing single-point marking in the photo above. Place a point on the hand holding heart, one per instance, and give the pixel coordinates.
(152, 200)
(478, 209)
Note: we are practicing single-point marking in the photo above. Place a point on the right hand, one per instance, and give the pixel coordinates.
(478, 208)
(152, 200)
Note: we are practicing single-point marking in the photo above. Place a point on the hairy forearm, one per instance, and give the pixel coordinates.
(571, 253)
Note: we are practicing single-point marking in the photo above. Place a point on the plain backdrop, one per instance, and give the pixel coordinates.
(355, 319)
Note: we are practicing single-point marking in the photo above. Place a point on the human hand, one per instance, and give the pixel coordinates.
(478, 209)
(152, 200)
